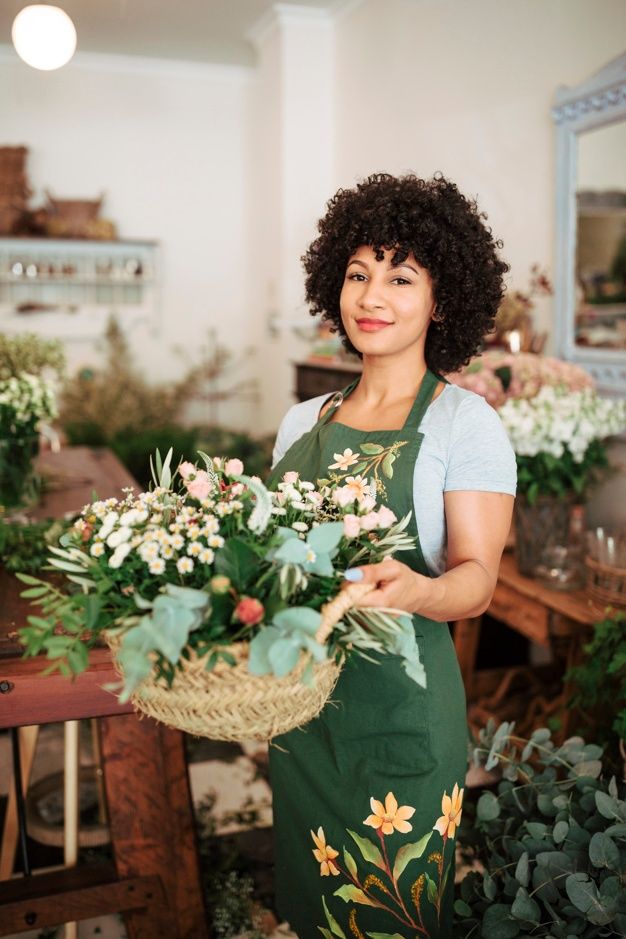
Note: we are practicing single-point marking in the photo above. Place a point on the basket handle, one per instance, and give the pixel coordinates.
(335, 608)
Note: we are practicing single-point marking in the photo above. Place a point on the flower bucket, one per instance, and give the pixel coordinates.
(546, 522)
(229, 703)
(19, 484)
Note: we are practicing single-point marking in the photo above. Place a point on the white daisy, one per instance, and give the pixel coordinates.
(184, 565)
(97, 549)
(157, 566)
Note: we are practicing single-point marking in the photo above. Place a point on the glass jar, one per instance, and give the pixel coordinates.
(19, 483)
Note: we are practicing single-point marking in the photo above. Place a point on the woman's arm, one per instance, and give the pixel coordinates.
(477, 525)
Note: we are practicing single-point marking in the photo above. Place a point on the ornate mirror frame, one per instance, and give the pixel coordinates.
(597, 102)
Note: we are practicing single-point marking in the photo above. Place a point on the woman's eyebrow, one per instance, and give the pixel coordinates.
(356, 261)
(409, 266)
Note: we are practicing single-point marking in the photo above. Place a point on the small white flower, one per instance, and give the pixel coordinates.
(300, 526)
(157, 566)
(300, 505)
(278, 510)
(177, 542)
(311, 556)
(206, 556)
(97, 549)
(167, 552)
(184, 565)
(194, 549)
(148, 551)
(118, 537)
(108, 524)
(215, 541)
(119, 554)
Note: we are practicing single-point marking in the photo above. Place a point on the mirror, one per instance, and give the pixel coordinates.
(590, 270)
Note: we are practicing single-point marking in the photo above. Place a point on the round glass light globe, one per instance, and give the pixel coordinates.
(44, 36)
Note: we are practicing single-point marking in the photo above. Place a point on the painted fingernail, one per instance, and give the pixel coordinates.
(353, 574)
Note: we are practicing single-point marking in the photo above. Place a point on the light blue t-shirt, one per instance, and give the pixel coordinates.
(465, 447)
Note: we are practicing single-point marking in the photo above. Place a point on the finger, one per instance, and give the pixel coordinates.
(374, 573)
(376, 598)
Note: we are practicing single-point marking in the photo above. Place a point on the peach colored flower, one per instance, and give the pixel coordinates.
(344, 460)
(324, 854)
(351, 526)
(249, 611)
(200, 486)
(389, 816)
(451, 806)
(233, 467)
(291, 477)
(186, 469)
(358, 486)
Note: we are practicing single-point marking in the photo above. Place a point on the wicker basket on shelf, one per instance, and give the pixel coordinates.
(606, 584)
(228, 703)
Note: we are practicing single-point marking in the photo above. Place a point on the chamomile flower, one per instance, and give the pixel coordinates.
(157, 566)
(194, 549)
(97, 549)
(215, 541)
(184, 565)
(177, 542)
(206, 556)
(148, 551)
(167, 552)
(300, 526)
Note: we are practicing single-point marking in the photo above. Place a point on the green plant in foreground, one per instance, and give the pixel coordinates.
(600, 680)
(551, 841)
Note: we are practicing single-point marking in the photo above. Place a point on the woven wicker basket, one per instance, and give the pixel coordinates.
(228, 703)
(605, 584)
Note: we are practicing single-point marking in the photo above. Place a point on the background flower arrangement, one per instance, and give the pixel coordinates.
(27, 400)
(210, 558)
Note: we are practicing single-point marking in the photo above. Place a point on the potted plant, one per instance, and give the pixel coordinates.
(221, 600)
(551, 842)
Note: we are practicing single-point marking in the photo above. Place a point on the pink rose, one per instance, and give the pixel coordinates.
(344, 496)
(186, 469)
(369, 521)
(249, 611)
(367, 503)
(351, 526)
(201, 486)
(236, 489)
(291, 477)
(233, 467)
(386, 518)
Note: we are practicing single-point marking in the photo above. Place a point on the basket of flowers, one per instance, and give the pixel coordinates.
(224, 603)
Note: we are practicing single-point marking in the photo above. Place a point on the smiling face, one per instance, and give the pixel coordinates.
(386, 308)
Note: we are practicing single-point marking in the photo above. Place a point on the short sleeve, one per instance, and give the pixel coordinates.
(284, 437)
(480, 457)
(297, 421)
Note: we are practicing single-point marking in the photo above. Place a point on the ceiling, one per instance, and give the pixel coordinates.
(192, 30)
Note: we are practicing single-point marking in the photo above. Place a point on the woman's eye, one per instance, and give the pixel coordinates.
(400, 280)
(356, 276)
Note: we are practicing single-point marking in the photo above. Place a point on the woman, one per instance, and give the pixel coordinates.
(368, 796)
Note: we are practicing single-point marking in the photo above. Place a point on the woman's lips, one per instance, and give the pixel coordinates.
(371, 326)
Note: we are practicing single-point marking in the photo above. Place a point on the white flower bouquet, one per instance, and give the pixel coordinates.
(25, 401)
(559, 438)
(209, 586)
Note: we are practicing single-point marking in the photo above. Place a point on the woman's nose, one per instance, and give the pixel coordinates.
(371, 296)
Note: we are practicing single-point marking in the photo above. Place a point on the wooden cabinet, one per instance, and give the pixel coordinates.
(319, 377)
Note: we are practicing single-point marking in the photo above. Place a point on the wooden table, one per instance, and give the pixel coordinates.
(156, 881)
(323, 376)
(556, 620)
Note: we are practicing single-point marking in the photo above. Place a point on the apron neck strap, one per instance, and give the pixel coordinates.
(423, 399)
(338, 399)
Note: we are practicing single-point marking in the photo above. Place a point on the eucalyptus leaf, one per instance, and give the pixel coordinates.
(488, 807)
(525, 908)
(258, 652)
(325, 537)
(603, 852)
(298, 617)
(283, 655)
(498, 923)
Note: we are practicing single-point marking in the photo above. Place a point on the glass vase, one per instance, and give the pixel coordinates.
(539, 526)
(19, 484)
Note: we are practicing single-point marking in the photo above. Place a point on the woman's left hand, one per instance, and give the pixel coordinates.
(397, 586)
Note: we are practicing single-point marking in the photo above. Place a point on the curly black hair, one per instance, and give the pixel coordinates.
(446, 234)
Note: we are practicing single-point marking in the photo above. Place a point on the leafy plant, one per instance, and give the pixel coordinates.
(26, 547)
(600, 680)
(28, 353)
(551, 841)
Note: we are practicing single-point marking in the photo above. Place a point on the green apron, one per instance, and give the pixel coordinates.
(367, 796)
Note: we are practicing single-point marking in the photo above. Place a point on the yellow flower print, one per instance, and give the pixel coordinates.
(451, 808)
(345, 460)
(388, 817)
(324, 853)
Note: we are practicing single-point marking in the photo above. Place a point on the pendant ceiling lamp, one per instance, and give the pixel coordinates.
(44, 36)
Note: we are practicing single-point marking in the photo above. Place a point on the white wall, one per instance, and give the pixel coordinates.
(467, 88)
(169, 144)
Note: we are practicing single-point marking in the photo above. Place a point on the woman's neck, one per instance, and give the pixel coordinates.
(384, 382)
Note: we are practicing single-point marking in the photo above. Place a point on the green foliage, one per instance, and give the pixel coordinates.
(28, 353)
(545, 474)
(24, 547)
(551, 842)
(600, 680)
